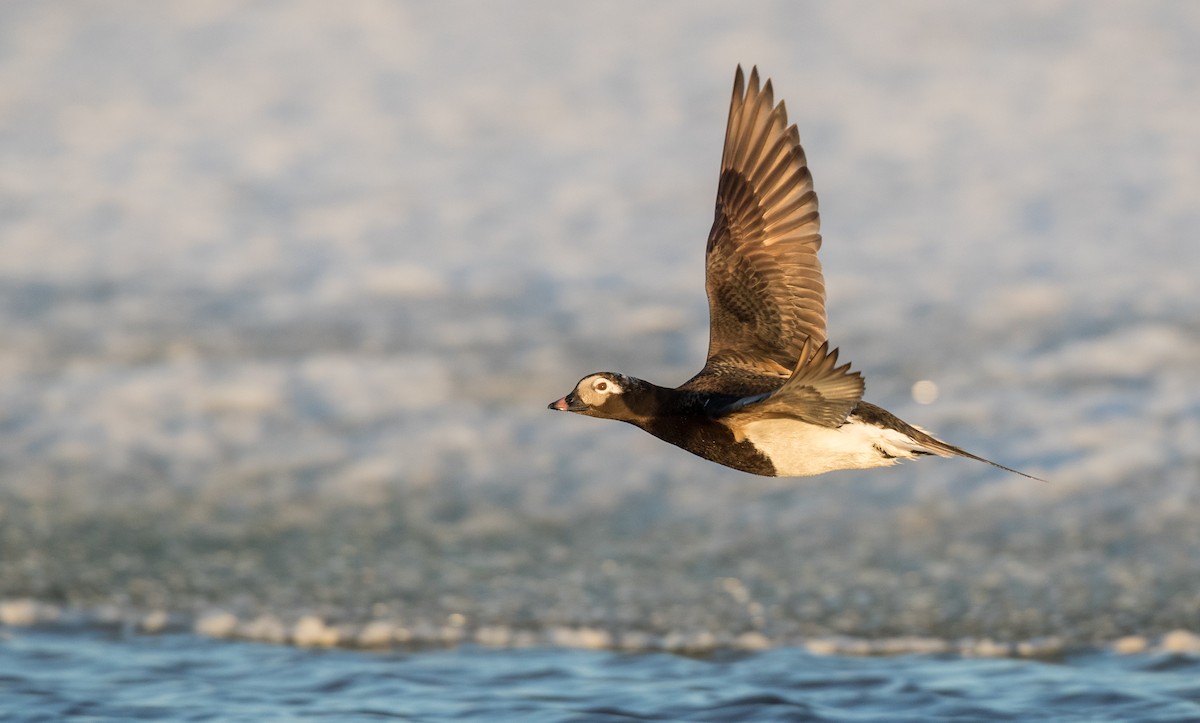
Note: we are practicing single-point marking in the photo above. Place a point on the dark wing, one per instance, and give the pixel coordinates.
(766, 294)
(818, 392)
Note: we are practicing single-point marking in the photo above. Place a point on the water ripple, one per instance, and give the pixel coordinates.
(49, 674)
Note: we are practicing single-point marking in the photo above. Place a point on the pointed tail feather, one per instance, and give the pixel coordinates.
(924, 441)
(944, 449)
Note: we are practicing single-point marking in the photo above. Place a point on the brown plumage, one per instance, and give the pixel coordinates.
(766, 293)
(771, 398)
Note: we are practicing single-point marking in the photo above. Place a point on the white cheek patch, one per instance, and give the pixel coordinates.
(589, 393)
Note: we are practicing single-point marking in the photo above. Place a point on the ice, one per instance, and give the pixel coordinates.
(286, 290)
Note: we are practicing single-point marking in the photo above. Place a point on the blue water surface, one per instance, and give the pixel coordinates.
(55, 674)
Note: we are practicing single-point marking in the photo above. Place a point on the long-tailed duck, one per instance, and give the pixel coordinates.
(771, 399)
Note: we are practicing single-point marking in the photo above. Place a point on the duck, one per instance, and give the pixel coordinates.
(771, 399)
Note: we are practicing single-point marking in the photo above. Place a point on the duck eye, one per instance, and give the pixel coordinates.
(600, 386)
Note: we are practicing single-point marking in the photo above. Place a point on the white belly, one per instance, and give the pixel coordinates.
(800, 449)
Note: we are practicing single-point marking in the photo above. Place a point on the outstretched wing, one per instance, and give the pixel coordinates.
(766, 294)
(818, 392)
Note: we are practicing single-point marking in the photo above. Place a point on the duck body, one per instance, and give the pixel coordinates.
(771, 399)
(775, 446)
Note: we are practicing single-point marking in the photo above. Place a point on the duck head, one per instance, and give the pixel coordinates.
(598, 395)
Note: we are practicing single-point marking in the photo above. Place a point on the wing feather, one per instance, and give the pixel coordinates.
(766, 292)
(818, 392)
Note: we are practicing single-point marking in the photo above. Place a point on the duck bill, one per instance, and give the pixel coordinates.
(569, 403)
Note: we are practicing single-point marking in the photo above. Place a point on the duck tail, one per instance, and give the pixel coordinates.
(923, 442)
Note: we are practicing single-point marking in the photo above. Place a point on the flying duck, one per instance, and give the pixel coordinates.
(771, 399)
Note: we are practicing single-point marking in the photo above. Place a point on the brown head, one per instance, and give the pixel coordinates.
(605, 394)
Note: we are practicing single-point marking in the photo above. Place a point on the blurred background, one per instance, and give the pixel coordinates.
(285, 288)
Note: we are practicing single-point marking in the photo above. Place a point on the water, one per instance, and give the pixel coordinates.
(52, 675)
(286, 287)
